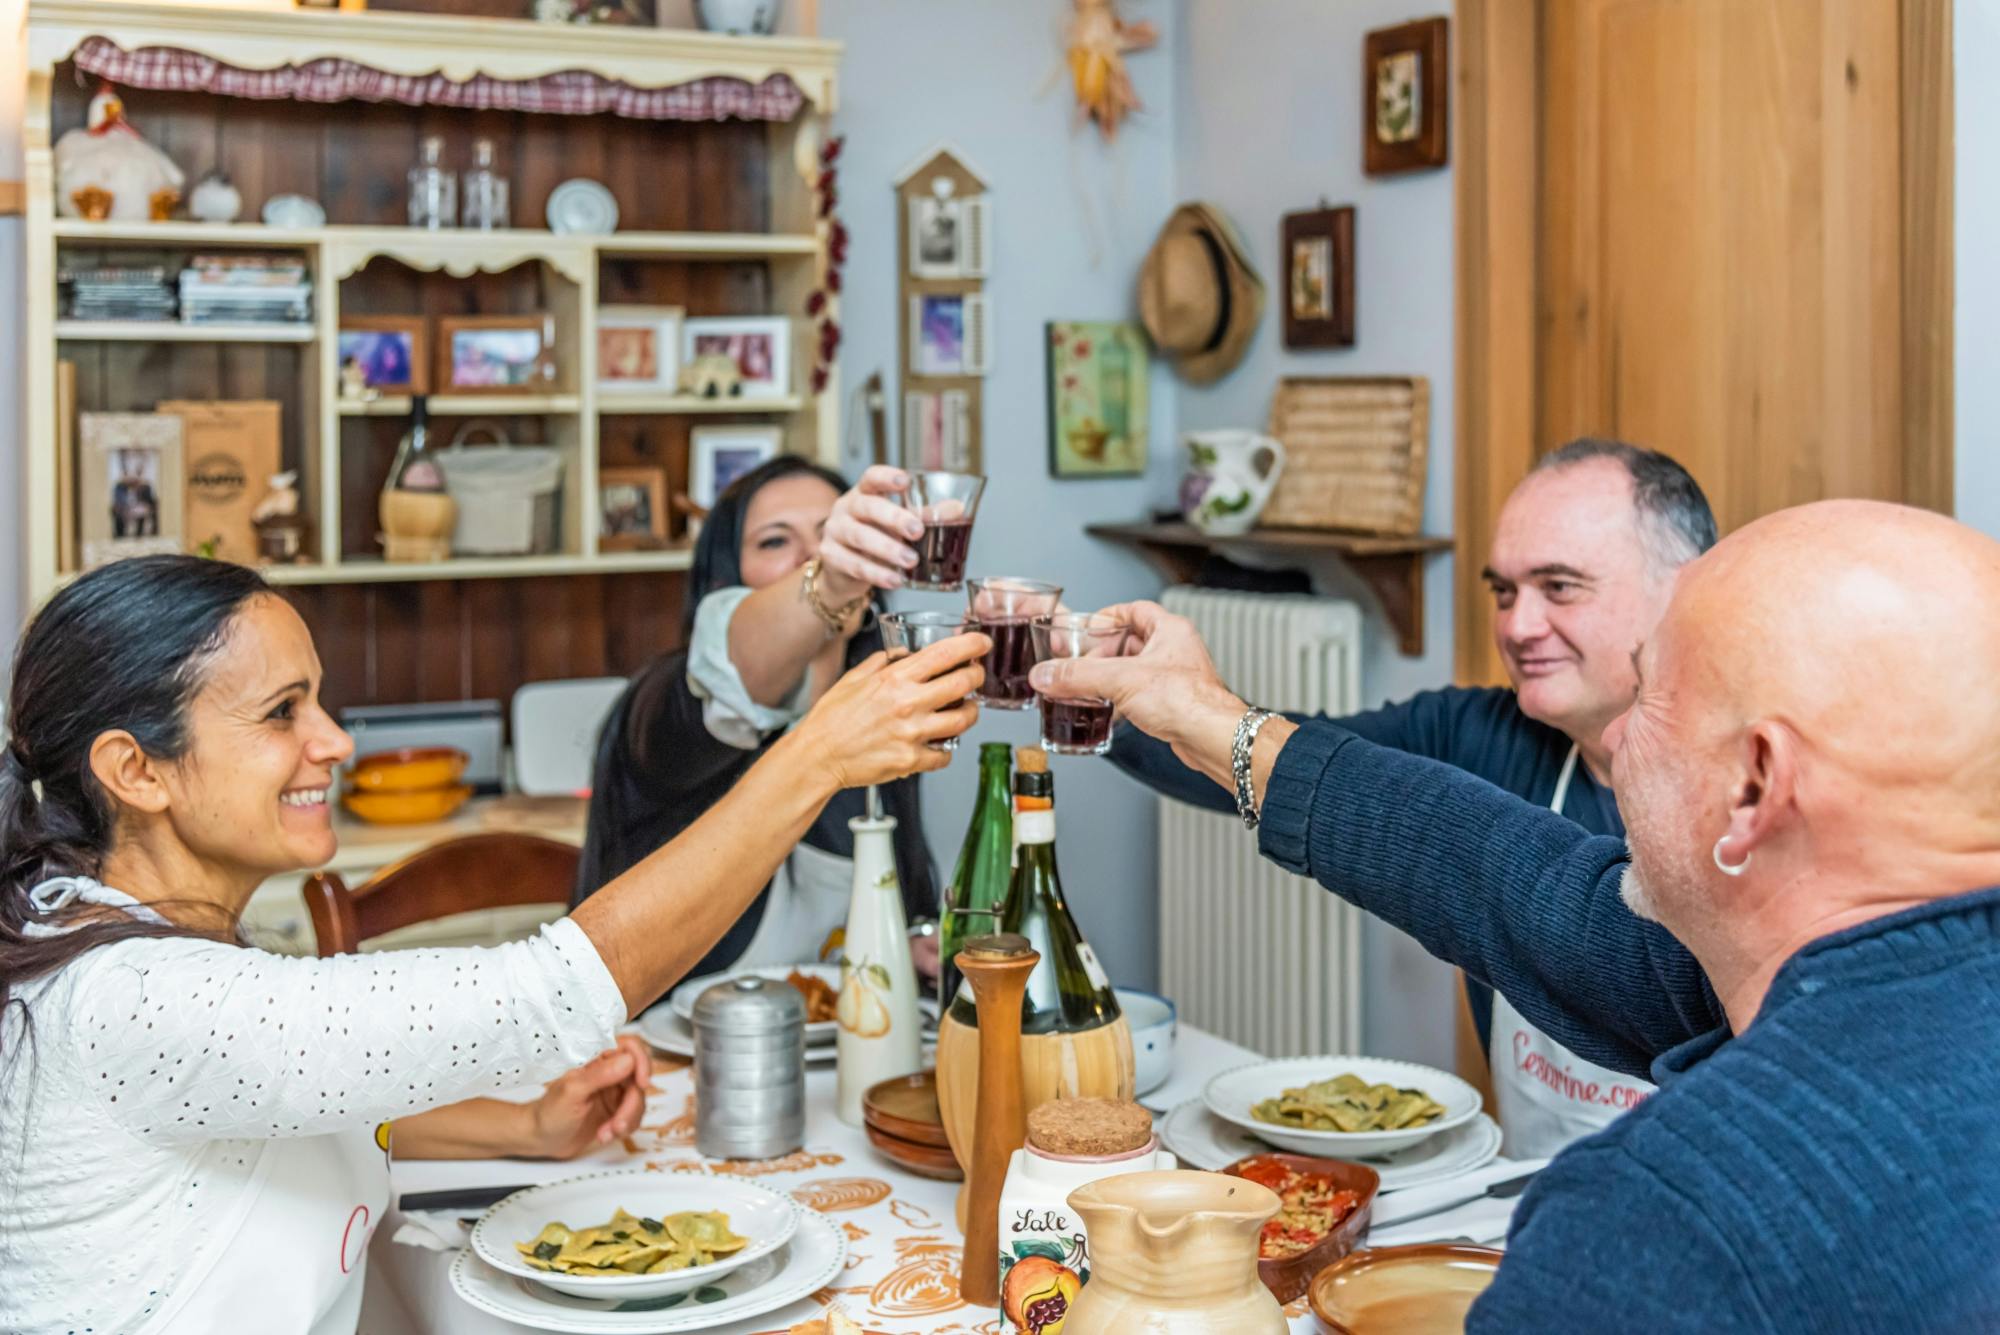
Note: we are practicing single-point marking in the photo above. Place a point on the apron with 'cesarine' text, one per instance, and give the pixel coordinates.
(1547, 1096)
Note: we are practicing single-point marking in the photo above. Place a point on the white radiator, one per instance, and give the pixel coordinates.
(1255, 954)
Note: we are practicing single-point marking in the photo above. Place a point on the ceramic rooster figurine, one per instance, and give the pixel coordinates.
(110, 172)
(1096, 45)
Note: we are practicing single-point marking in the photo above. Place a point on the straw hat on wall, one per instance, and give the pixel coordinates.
(1198, 296)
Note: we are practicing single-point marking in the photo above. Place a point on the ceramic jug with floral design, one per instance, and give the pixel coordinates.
(1174, 1253)
(880, 1032)
(1229, 478)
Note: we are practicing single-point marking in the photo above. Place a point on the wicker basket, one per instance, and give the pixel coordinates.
(1356, 452)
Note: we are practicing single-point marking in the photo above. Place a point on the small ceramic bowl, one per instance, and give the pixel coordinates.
(923, 1160)
(1154, 1021)
(907, 1109)
(1425, 1289)
(1288, 1277)
(408, 770)
(414, 808)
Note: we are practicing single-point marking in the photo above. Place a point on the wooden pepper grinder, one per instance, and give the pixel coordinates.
(997, 968)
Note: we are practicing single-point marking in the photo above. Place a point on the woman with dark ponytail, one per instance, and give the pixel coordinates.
(187, 1125)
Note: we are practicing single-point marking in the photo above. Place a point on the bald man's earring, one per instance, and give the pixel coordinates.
(1725, 868)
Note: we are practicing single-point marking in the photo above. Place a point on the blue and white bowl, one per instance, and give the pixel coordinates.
(1154, 1022)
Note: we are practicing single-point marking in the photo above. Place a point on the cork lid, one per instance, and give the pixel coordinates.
(1089, 1128)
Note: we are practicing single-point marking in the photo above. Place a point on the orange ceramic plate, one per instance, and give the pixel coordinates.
(1419, 1290)
(406, 808)
(411, 769)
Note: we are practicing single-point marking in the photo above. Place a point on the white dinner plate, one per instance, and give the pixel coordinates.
(816, 1254)
(682, 998)
(1200, 1139)
(581, 206)
(1231, 1095)
(765, 1217)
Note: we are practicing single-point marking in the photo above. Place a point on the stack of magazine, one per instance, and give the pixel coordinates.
(118, 292)
(246, 289)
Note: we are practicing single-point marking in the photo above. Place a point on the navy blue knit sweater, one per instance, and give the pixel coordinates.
(1834, 1168)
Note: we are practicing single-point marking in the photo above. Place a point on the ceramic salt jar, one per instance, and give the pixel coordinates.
(1044, 1248)
(1174, 1254)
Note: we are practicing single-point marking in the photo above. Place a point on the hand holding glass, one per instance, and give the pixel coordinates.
(947, 503)
(906, 632)
(1080, 726)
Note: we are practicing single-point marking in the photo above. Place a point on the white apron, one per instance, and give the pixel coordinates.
(1547, 1096)
(805, 911)
(297, 1260)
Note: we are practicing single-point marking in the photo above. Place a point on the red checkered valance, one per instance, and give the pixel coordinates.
(570, 93)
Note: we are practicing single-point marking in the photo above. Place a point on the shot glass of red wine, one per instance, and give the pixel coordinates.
(1077, 726)
(1002, 609)
(947, 503)
(907, 632)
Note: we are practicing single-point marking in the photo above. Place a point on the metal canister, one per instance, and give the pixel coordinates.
(749, 1069)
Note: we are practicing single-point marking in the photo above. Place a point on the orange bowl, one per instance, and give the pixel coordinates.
(407, 770)
(1422, 1289)
(417, 808)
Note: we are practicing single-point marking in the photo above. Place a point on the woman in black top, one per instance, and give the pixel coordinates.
(780, 603)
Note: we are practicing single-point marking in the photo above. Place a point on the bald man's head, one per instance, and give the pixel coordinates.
(1819, 713)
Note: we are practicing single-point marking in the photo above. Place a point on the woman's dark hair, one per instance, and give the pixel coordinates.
(718, 553)
(126, 647)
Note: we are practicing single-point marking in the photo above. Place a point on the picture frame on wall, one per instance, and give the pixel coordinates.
(760, 345)
(631, 509)
(718, 455)
(950, 236)
(130, 477)
(1099, 374)
(1405, 86)
(495, 354)
(638, 349)
(1318, 251)
(392, 352)
(951, 334)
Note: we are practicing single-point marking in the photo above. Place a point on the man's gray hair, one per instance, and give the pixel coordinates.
(1674, 519)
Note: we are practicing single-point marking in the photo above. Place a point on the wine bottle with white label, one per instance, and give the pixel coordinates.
(1068, 990)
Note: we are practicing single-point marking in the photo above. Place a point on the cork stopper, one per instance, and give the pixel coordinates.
(1031, 760)
(996, 946)
(1089, 1128)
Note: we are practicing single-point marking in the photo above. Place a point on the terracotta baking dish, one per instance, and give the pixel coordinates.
(1290, 1276)
(413, 808)
(407, 770)
(1424, 1289)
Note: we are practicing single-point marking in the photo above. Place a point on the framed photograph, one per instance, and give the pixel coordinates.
(950, 334)
(129, 485)
(495, 354)
(1097, 399)
(935, 236)
(1405, 78)
(1318, 247)
(638, 349)
(391, 351)
(718, 455)
(632, 509)
(761, 347)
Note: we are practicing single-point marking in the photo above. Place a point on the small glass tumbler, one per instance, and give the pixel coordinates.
(1078, 726)
(906, 632)
(947, 503)
(1002, 609)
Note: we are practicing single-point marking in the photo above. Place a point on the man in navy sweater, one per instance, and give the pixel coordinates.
(1583, 562)
(1808, 777)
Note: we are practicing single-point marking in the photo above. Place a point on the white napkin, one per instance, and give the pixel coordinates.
(433, 1230)
(1484, 1221)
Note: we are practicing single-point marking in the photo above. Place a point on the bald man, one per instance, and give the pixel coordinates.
(1810, 781)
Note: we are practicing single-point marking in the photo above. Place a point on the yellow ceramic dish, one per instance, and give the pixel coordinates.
(1424, 1289)
(409, 770)
(406, 808)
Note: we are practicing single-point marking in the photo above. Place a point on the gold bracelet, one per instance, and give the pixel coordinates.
(833, 618)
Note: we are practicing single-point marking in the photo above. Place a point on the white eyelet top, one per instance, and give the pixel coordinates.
(136, 1120)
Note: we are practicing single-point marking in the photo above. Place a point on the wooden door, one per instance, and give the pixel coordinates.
(1739, 250)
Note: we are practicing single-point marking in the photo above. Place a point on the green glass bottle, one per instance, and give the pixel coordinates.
(977, 895)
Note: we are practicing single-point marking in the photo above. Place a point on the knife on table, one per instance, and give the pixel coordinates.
(1444, 1197)
(464, 1198)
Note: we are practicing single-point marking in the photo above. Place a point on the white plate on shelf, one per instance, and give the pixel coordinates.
(814, 1257)
(582, 207)
(1231, 1095)
(765, 1217)
(682, 998)
(1200, 1139)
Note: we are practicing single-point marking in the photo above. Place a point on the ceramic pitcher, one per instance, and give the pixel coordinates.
(1229, 478)
(880, 1033)
(1174, 1254)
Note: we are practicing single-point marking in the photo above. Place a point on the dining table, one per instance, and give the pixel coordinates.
(901, 1268)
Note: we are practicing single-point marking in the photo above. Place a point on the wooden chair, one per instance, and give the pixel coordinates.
(479, 871)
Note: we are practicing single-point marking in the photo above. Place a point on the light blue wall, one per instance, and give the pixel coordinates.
(1976, 305)
(1270, 123)
(973, 72)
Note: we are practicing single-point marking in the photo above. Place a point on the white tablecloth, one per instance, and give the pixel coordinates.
(903, 1248)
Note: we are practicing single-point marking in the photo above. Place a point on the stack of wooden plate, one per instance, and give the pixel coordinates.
(903, 1122)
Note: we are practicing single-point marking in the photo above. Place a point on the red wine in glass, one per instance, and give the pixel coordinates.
(1007, 665)
(1076, 727)
(941, 553)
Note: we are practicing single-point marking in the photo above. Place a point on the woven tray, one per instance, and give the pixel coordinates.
(1357, 449)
